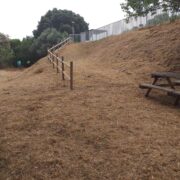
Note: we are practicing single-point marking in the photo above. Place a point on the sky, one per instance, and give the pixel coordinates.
(18, 18)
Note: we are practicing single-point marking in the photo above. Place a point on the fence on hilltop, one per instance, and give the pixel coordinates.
(117, 28)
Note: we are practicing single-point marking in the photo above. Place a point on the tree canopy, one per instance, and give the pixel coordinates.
(47, 39)
(62, 21)
(6, 53)
(53, 27)
(143, 7)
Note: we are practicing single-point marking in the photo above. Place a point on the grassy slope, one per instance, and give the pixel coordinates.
(105, 128)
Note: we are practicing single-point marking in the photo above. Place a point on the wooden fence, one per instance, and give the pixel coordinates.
(59, 64)
(61, 44)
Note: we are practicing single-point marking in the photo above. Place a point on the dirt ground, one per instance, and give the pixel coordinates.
(105, 128)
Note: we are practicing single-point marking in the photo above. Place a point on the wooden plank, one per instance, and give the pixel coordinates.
(176, 83)
(50, 59)
(170, 83)
(60, 44)
(174, 93)
(175, 75)
(59, 69)
(150, 86)
(59, 59)
(177, 101)
(57, 63)
(66, 75)
(149, 90)
(71, 75)
(54, 64)
(65, 63)
(54, 57)
(62, 65)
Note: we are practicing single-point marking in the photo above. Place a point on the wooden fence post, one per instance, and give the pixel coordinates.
(63, 78)
(71, 75)
(48, 55)
(53, 61)
(57, 63)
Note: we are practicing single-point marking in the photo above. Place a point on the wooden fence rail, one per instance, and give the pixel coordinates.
(59, 45)
(59, 64)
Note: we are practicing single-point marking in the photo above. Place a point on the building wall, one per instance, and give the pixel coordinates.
(119, 27)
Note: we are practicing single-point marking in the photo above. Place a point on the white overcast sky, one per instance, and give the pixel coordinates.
(18, 18)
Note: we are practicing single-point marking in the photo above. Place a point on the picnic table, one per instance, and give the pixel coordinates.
(172, 81)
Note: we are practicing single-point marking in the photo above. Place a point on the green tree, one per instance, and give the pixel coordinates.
(134, 8)
(4, 40)
(53, 27)
(23, 51)
(62, 21)
(6, 57)
(6, 54)
(47, 39)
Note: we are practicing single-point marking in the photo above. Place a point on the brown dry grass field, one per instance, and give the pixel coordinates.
(105, 128)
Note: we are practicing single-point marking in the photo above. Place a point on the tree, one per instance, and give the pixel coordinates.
(62, 21)
(6, 57)
(6, 54)
(135, 8)
(53, 27)
(4, 40)
(23, 51)
(47, 39)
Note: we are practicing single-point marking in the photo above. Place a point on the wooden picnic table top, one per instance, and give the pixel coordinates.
(175, 75)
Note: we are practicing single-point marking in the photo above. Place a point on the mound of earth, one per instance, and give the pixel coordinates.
(104, 128)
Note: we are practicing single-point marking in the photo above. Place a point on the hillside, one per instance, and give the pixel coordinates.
(105, 128)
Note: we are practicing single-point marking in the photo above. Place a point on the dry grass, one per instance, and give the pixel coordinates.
(105, 128)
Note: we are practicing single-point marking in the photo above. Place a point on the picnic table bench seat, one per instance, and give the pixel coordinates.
(169, 87)
(174, 93)
(150, 86)
(176, 82)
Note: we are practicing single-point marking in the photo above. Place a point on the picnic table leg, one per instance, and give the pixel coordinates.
(149, 90)
(170, 83)
(177, 101)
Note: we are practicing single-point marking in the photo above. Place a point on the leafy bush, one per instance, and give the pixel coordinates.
(47, 39)
(6, 53)
(23, 51)
(6, 57)
(31, 49)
